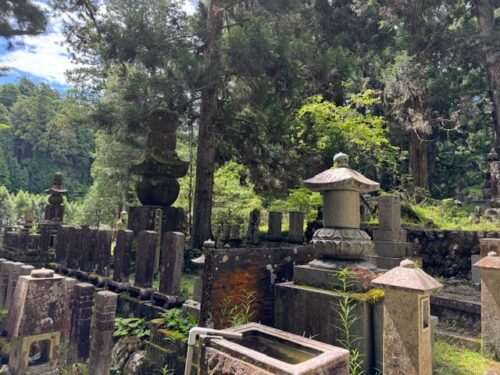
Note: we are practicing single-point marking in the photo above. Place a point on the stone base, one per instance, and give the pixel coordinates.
(393, 249)
(192, 307)
(342, 243)
(389, 235)
(313, 312)
(117, 287)
(144, 294)
(135, 308)
(386, 263)
(322, 277)
(166, 301)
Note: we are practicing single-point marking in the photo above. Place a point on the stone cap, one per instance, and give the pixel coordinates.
(408, 276)
(341, 177)
(57, 185)
(492, 261)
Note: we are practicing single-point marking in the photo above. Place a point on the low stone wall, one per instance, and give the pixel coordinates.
(446, 253)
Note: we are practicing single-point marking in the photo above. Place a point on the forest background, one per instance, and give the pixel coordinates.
(266, 93)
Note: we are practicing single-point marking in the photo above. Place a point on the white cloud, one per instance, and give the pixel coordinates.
(43, 56)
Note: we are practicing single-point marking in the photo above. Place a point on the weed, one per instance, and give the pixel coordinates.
(131, 327)
(177, 320)
(241, 313)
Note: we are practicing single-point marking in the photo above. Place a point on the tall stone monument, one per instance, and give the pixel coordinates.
(158, 171)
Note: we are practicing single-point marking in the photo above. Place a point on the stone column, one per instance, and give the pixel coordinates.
(62, 243)
(407, 336)
(123, 251)
(226, 232)
(172, 263)
(69, 283)
(81, 313)
(145, 259)
(85, 258)
(158, 229)
(274, 229)
(490, 305)
(296, 226)
(253, 237)
(101, 337)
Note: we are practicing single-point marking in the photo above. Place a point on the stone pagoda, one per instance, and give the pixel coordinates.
(158, 171)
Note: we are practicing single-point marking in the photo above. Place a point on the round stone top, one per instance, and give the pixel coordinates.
(492, 254)
(341, 160)
(407, 263)
(42, 273)
(209, 244)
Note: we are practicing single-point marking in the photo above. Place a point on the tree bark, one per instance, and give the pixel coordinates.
(209, 114)
(485, 13)
(419, 159)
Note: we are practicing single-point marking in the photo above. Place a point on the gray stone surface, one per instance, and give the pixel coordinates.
(274, 226)
(15, 272)
(145, 259)
(101, 336)
(475, 272)
(296, 226)
(253, 235)
(81, 313)
(123, 252)
(172, 262)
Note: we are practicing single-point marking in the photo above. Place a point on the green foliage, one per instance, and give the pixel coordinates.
(21, 17)
(327, 128)
(347, 318)
(233, 315)
(131, 327)
(234, 196)
(454, 360)
(177, 320)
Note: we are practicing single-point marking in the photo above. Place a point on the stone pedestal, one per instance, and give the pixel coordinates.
(490, 305)
(143, 218)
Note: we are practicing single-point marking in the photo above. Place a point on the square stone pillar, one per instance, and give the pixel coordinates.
(490, 305)
(274, 226)
(101, 336)
(81, 313)
(253, 235)
(62, 243)
(407, 334)
(145, 259)
(123, 252)
(296, 226)
(171, 263)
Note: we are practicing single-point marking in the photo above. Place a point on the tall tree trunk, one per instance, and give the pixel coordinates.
(419, 159)
(485, 13)
(207, 142)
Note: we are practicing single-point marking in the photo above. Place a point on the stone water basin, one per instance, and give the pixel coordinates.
(265, 350)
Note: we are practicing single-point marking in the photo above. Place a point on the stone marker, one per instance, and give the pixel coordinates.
(35, 322)
(490, 305)
(103, 252)
(253, 237)
(172, 263)
(15, 272)
(62, 243)
(226, 232)
(69, 283)
(5, 269)
(274, 230)
(85, 258)
(475, 272)
(101, 337)
(81, 313)
(145, 261)
(54, 211)
(158, 229)
(407, 333)
(123, 251)
(73, 250)
(296, 226)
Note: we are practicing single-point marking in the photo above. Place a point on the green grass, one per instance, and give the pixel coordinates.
(187, 285)
(454, 360)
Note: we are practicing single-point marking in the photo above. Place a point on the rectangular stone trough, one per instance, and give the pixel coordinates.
(265, 350)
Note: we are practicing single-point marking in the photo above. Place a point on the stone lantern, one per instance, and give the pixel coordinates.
(490, 304)
(341, 237)
(407, 336)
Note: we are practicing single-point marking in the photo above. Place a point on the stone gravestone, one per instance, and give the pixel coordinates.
(103, 252)
(296, 227)
(275, 223)
(123, 252)
(62, 243)
(390, 239)
(144, 265)
(172, 263)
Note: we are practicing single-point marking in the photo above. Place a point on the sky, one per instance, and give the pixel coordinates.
(44, 58)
